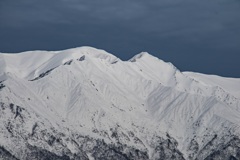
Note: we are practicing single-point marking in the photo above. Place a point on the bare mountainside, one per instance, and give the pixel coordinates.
(85, 103)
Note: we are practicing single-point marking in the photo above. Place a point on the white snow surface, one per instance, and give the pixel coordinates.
(99, 91)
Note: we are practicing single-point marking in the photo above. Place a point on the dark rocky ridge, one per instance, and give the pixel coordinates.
(50, 140)
(15, 129)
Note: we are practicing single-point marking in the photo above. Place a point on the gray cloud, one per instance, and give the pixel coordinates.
(189, 33)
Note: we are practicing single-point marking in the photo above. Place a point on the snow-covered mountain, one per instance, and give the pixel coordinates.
(85, 103)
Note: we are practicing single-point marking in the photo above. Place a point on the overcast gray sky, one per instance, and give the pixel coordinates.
(195, 35)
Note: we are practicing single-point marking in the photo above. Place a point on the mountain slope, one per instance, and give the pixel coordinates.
(85, 103)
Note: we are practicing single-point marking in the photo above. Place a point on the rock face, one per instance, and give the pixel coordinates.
(85, 103)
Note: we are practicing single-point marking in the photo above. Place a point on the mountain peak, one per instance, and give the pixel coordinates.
(86, 51)
(140, 56)
(34, 62)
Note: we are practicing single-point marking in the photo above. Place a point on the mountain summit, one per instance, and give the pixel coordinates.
(85, 103)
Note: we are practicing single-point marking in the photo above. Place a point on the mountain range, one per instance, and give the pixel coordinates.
(84, 103)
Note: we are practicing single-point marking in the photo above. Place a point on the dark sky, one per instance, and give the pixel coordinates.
(195, 35)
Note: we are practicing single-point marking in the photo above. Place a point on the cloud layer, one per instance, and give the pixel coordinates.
(197, 35)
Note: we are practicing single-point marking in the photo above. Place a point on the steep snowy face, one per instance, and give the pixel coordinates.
(165, 72)
(87, 102)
